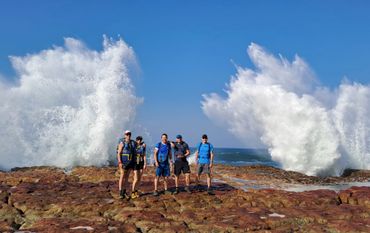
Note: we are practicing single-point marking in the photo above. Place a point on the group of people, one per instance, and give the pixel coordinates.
(131, 156)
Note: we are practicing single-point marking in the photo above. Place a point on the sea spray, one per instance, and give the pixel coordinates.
(307, 127)
(68, 107)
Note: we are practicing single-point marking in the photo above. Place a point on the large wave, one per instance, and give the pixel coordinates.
(307, 127)
(68, 106)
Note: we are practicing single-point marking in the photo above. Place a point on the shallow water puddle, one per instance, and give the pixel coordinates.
(252, 184)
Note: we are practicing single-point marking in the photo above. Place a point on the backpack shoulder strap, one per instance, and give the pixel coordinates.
(158, 148)
(209, 149)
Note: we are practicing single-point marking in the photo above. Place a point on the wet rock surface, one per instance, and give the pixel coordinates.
(85, 199)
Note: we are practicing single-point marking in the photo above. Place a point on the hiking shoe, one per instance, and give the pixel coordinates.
(176, 191)
(134, 195)
(155, 193)
(187, 189)
(210, 192)
(137, 193)
(167, 192)
(122, 194)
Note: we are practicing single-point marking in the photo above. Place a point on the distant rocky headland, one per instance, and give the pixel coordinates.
(248, 198)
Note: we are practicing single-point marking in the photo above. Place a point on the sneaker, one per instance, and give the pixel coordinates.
(137, 193)
(167, 192)
(155, 193)
(134, 195)
(187, 189)
(210, 192)
(176, 191)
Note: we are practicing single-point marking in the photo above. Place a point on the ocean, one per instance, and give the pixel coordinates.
(241, 156)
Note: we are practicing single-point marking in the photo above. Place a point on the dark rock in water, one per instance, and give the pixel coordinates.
(47, 199)
(356, 173)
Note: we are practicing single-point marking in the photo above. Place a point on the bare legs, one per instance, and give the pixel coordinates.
(123, 179)
(156, 183)
(187, 180)
(209, 180)
(137, 179)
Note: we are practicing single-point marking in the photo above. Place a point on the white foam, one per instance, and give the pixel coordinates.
(87, 228)
(277, 215)
(307, 127)
(69, 106)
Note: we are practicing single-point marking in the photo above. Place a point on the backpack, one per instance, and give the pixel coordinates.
(140, 152)
(209, 149)
(159, 148)
(126, 158)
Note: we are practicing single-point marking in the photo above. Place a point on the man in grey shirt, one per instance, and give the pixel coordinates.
(181, 150)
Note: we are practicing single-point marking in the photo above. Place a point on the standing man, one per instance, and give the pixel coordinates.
(125, 153)
(181, 149)
(139, 166)
(204, 159)
(162, 158)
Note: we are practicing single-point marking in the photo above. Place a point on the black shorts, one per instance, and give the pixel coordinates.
(139, 166)
(128, 166)
(181, 165)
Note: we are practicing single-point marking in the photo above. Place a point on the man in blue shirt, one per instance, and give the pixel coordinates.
(204, 159)
(162, 158)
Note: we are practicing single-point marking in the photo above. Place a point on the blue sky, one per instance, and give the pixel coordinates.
(186, 47)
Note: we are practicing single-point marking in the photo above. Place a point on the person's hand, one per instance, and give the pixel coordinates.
(156, 164)
(210, 165)
(144, 166)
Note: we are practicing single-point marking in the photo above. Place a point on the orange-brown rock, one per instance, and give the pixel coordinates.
(85, 199)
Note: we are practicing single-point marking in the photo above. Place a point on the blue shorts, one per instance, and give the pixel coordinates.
(163, 169)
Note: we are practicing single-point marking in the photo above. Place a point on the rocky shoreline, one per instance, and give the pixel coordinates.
(250, 198)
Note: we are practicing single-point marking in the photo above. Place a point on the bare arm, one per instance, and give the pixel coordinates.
(170, 155)
(120, 146)
(187, 152)
(144, 158)
(196, 156)
(156, 156)
(212, 156)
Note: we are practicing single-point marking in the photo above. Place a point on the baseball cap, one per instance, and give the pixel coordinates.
(127, 132)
